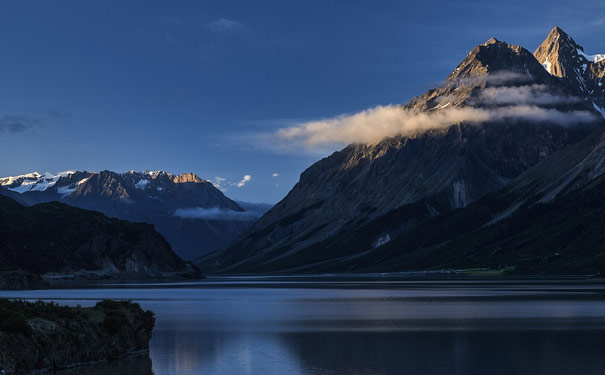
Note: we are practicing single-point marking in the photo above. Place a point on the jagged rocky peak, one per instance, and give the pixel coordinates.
(562, 57)
(491, 64)
(493, 57)
(188, 177)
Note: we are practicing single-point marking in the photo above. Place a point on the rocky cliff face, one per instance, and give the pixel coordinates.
(562, 57)
(56, 238)
(418, 177)
(45, 337)
(152, 197)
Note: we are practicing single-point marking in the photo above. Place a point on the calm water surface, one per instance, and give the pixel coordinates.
(372, 326)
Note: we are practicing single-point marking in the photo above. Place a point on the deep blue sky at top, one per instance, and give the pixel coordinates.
(188, 85)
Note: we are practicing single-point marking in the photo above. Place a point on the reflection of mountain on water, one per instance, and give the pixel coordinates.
(448, 352)
(181, 352)
(139, 365)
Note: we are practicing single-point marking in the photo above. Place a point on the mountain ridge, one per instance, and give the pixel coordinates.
(155, 197)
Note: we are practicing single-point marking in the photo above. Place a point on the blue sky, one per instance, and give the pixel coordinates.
(200, 86)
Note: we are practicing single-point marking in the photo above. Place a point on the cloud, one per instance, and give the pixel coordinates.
(372, 125)
(225, 26)
(243, 181)
(495, 78)
(530, 94)
(19, 123)
(218, 182)
(275, 175)
(222, 183)
(172, 39)
(216, 213)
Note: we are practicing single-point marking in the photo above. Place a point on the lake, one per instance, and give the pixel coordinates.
(352, 325)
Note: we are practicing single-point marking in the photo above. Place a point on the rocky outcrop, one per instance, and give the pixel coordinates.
(18, 280)
(420, 176)
(57, 238)
(45, 337)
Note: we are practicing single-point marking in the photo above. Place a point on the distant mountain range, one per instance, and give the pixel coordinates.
(518, 188)
(193, 215)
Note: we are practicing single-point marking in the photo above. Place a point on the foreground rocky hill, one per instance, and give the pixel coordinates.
(57, 239)
(44, 337)
(168, 201)
(365, 196)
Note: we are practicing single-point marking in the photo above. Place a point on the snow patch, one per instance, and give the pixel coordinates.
(382, 240)
(142, 184)
(601, 110)
(33, 181)
(594, 58)
(66, 190)
(547, 65)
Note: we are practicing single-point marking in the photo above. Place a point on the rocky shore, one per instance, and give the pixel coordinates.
(43, 337)
(19, 280)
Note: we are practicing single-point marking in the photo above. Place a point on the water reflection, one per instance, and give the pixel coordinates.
(346, 327)
(138, 365)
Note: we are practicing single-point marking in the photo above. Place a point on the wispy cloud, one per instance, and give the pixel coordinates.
(243, 181)
(226, 26)
(536, 94)
(216, 213)
(275, 175)
(172, 39)
(18, 123)
(21, 123)
(221, 183)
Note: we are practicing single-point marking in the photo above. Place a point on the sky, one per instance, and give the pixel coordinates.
(206, 86)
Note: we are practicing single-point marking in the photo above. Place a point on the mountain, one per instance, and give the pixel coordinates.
(562, 57)
(193, 215)
(547, 221)
(57, 238)
(365, 196)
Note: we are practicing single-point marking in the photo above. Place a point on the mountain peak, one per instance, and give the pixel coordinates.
(562, 57)
(495, 56)
(492, 41)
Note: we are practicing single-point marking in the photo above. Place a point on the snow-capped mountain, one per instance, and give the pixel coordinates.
(368, 195)
(194, 215)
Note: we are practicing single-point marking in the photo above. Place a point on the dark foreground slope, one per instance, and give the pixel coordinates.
(46, 337)
(56, 238)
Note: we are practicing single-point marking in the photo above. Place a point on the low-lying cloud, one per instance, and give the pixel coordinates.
(216, 213)
(375, 124)
(536, 94)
